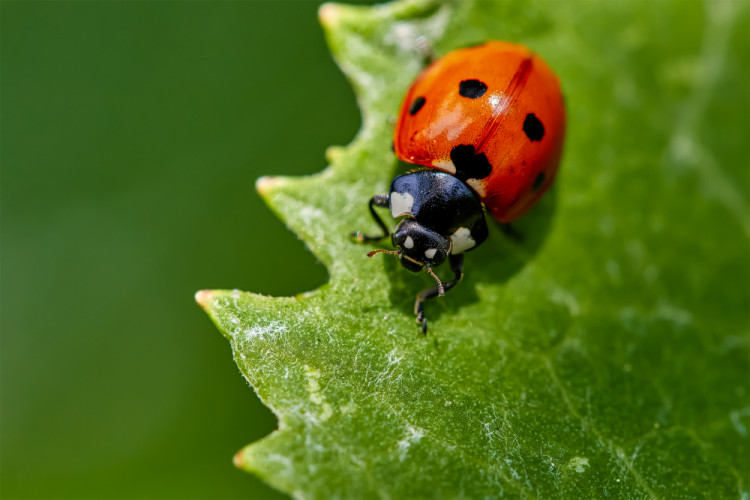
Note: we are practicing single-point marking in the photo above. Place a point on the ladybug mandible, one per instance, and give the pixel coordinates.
(489, 122)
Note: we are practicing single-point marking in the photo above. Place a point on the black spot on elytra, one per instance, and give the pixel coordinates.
(538, 181)
(470, 165)
(473, 89)
(533, 127)
(416, 105)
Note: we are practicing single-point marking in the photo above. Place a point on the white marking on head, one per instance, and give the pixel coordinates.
(401, 204)
(461, 241)
(430, 253)
(478, 186)
(445, 165)
(408, 242)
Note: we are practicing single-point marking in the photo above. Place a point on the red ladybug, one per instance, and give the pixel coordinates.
(492, 117)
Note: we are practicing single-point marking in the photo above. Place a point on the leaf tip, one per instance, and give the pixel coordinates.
(239, 459)
(329, 15)
(203, 297)
(333, 154)
(265, 184)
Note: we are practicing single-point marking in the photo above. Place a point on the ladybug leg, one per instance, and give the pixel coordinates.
(379, 200)
(457, 266)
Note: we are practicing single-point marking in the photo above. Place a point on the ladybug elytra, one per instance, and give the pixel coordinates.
(489, 123)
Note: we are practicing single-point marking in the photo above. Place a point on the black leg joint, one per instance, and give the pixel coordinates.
(379, 200)
(457, 266)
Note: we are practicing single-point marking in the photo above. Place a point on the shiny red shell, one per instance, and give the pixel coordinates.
(494, 116)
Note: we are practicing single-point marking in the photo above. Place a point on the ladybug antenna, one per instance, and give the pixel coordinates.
(391, 252)
(441, 290)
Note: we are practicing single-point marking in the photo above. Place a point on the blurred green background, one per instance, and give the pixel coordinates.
(132, 135)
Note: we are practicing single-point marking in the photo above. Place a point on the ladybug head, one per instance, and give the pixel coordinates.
(418, 247)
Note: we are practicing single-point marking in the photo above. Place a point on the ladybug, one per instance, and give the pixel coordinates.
(489, 123)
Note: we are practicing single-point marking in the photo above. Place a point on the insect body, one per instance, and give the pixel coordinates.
(489, 122)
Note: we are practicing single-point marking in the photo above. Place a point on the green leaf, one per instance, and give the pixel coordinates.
(604, 355)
